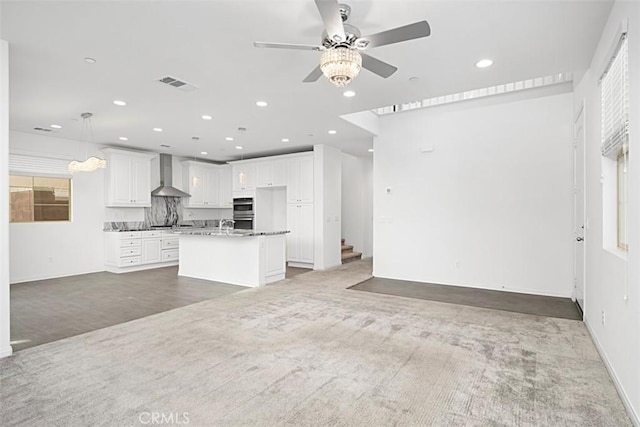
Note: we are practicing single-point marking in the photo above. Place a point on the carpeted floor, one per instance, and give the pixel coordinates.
(306, 351)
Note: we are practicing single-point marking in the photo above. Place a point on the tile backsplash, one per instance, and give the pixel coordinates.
(165, 211)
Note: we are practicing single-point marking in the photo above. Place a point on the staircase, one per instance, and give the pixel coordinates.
(348, 254)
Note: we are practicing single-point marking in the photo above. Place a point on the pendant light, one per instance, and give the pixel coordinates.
(91, 163)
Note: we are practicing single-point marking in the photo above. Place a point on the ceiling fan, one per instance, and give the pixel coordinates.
(342, 45)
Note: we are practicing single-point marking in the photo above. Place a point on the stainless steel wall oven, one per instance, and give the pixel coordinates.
(243, 213)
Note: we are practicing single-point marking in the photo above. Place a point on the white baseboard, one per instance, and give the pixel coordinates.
(5, 351)
(55, 276)
(299, 265)
(118, 270)
(623, 395)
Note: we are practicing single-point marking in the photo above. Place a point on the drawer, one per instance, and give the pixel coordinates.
(170, 255)
(170, 243)
(130, 235)
(151, 234)
(126, 262)
(132, 251)
(129, 243)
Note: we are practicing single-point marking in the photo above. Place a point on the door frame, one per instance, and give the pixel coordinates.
(580, 122)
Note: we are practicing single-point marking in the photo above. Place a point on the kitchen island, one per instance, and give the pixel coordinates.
(240, 257)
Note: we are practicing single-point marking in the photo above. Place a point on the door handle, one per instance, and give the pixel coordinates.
(579, 239)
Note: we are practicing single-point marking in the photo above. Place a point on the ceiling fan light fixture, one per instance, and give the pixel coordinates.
(340, 65)
(362, 43)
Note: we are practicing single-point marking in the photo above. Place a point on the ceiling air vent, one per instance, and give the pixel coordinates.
(177, 83)
(42, 129)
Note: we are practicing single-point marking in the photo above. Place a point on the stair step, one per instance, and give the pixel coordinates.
(350, 256)
(347, 248)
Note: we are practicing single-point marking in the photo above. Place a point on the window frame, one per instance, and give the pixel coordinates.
(621, 209)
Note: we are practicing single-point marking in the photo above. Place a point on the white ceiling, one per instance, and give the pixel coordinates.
(210, 44)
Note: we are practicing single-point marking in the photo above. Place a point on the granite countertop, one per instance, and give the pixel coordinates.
(128, 230)
(228, 232)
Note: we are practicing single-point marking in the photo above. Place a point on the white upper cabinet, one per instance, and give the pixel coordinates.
(202, 182)
(127, 178)
(300, 179)
(271, 173)
(225, 185)
(244, 176)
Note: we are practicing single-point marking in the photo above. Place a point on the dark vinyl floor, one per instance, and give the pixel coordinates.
(53, 309)
(498, 300)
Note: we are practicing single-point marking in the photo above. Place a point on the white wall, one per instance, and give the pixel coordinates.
(357, 203)
(327, 200)
(5, 329)
(45, 250)
(611, 280)
(491, 206)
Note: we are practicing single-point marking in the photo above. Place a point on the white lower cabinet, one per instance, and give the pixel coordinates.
(274, 253)
(170, 246)
(139, 249)
(300, 238)
(151, 250)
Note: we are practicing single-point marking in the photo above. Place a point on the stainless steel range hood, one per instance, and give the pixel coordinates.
(166, 189)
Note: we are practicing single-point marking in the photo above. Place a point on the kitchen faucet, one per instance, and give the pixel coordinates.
(222, 222)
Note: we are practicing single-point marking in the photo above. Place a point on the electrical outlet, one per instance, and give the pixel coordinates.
(604, 320)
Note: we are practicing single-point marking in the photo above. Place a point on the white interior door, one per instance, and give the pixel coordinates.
(579, 209)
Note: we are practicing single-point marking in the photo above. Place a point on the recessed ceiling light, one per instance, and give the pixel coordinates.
(261, 103)
(229, 138)
(89, 60)
(370, 150)
(120, 103)
(285, 139)
(414, 79)
(348, 93)
(239, 147)
(204, 153)
(123, 138)
(157, 129)
(206, 117)
(56, 126)
(332, 132)
(484, 63)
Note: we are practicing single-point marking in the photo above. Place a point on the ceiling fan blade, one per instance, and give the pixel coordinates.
(314, 75)
(400, 34)
(376, 66)
(330, 13)
(288, 46)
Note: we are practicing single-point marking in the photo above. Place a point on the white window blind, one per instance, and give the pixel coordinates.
(614, 87)
(43, 166)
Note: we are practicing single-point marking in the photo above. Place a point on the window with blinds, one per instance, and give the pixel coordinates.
(614, 88)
